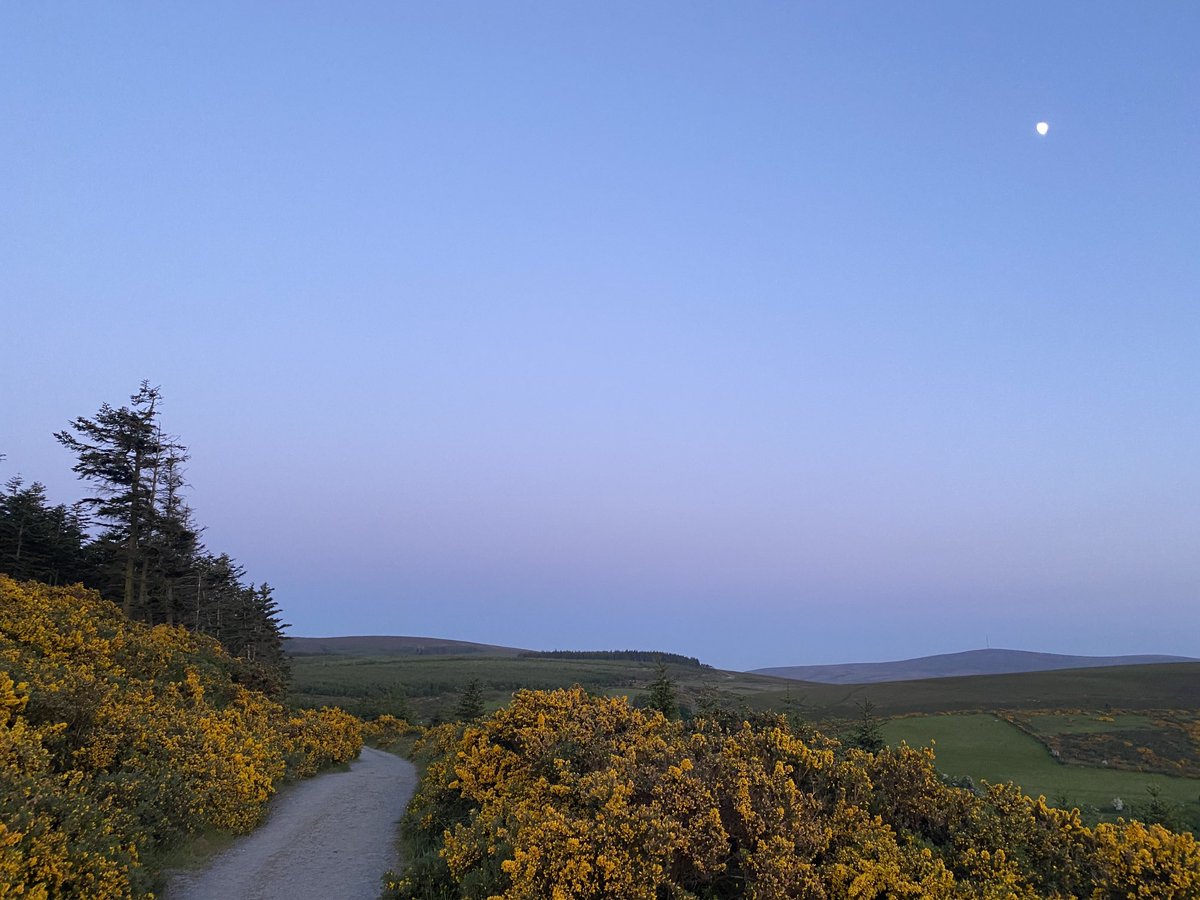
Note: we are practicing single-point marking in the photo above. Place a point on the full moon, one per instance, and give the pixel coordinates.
(1042, 128)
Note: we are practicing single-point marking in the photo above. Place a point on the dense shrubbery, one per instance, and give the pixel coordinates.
(322, 737)
(117, 739)
(565, 795)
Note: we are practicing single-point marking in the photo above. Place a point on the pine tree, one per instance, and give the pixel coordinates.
(172, 547)
(663, 695)
(121, 453)
(867, 733)
(1159, 811)
(149, 554)
(39, 541)
(470, 702)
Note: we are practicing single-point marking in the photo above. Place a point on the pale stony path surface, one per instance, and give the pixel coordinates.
(332, 836)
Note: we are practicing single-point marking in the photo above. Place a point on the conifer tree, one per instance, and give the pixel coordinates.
(149, 555)
(120, 452)
(663, 695)
(172, 547)
(470, 702)
(39, 541)
(867, 733)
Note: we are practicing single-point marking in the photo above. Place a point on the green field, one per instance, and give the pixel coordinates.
(984, 747)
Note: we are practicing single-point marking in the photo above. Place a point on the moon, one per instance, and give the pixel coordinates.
(1042, 128)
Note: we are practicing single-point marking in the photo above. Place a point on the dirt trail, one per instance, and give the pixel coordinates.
(331, 836)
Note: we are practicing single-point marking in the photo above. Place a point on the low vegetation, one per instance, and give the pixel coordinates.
(119, 740)
(565, 794)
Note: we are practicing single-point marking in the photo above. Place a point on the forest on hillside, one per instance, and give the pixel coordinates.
(133, 537)
(649, 656)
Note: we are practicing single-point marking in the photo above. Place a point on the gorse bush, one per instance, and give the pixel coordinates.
(566, 795)
(322, 737)
(54, 832)
(387, 732)
(118, 739)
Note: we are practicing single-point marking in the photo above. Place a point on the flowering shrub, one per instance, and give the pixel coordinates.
(54, 836)
(117, 739)
(566, 795)
(386, 731)
(1148, 861)
(323, 737)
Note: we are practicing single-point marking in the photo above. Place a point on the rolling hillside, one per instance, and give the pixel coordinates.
(391, 645)
(423, 677)
(948, 665)
(427, 685)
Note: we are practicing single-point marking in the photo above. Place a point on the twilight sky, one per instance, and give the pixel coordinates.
(770, 333)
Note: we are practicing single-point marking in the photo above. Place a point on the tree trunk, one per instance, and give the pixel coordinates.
(131, 546)
(143, 604)
(152, 508)
(130, 560)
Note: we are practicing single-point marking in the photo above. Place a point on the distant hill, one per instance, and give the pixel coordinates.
(391, 645)
(947, 665)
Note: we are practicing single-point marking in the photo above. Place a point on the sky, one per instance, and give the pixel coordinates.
(769, 333)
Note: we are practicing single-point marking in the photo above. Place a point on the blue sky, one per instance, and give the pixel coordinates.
(770, 333)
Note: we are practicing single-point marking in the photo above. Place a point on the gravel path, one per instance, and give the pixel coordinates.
(332, 836)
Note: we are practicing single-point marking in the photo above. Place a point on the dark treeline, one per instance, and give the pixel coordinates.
(134, 538)
(633, 655)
